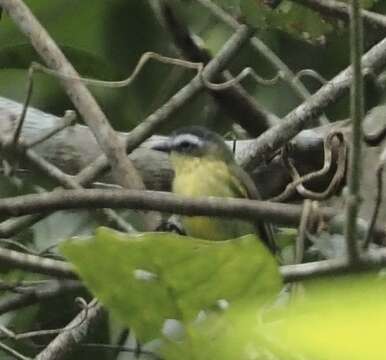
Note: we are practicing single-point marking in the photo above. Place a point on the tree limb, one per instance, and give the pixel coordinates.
(123, 169)
(65, 343)
(41, 293)
(340, 10)
(372, 62)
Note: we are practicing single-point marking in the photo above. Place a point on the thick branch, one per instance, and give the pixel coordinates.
(75, 147)
(284, 214)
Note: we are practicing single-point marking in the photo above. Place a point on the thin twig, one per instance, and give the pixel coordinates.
(8, 350)
(123, 169)
(302, 233)
(235, 99)
(198, 66)
(290, 273)
(378, 200)
(333, 267)
(298, 181)
(296, 120)
(36, 264)
(357, 112)
(63, 179)
(46, 291)
(17, 245)
(31, 334)
(66, 342)
(67, 120)
(336, 180)
(341, 10)
(140, 133)
(144, 59)
(13, 226)
(23, 114)
(265, 51)
(149, 125)
(312, 74)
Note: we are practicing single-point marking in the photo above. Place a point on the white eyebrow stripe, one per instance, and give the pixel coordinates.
(190, 138)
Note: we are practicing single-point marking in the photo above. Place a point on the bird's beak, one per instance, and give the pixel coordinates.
(164, 146)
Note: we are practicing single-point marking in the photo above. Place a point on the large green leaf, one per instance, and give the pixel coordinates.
(150, 277)
(334, 319)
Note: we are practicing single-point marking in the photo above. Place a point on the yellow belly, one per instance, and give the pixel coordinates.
(199, 177)
(213, 228)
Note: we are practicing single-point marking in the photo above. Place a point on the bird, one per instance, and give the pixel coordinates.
(205, 166)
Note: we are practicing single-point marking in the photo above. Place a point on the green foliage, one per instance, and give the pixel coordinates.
(147, 278)
(290, 17)
(342, 319)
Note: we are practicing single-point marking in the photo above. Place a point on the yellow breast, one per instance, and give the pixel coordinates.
(197, 177)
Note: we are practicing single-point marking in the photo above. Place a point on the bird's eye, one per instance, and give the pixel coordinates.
(185, 145)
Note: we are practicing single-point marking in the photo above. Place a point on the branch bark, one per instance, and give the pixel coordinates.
(264, 51)
(357, 109)
(290, 273)
(36, 264)
(123, 170)
(234, 100)
(41, 293)
(65, 343)
(372, 62)
(341, 10)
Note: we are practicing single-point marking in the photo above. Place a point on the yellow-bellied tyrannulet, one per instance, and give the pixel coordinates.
(205, 166)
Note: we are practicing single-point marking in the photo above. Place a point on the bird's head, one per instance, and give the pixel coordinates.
(196, 142)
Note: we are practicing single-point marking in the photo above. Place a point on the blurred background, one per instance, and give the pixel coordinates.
(105, 39)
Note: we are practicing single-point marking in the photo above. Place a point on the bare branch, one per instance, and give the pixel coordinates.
(298, 181)
(40, 293)
(153, 200)
(296, 120)
(13, 352)
(341, 10)
(20, 122)
(51, 171)
(67, 120)
(290, 273)
(234, 100)
(108, 140)
(265, 51)
(378, 199)
(81, 148)
(36, 264)
(333, 267)
(66, 342)
(357, 113)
